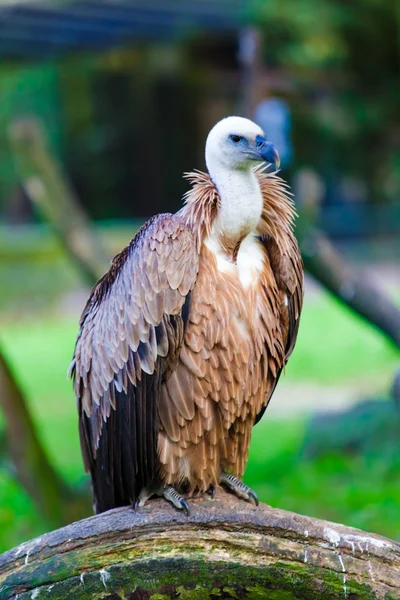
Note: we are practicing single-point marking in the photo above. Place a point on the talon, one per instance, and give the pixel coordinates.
(146, 493)
(185, 507)
(253, 495)
(239, 488)
(176, 499)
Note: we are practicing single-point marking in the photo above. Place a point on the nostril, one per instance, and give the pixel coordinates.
(259, 141)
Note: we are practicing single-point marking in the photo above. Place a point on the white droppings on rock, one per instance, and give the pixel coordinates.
(341, 563)
(332, 536)
(104, 576)
(26, 548)
(352, 546)
(370, 571)
(50, 587)
(35, 593)
(367, 541)
(27, 556)
(344, 586)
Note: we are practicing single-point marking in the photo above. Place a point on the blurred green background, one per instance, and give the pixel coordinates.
(126, 93)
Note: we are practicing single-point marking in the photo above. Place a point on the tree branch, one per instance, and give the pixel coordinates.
(51, 194)
(225, 549)
(324, 263)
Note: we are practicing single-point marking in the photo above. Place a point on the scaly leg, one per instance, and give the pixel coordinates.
(163, 491)
(176, 499)
(238, 487)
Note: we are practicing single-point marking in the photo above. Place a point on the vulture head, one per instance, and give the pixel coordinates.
(236, 143)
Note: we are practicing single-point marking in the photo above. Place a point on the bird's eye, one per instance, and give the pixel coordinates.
(236, 139)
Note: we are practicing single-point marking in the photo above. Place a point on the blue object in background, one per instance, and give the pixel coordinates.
(273, 116)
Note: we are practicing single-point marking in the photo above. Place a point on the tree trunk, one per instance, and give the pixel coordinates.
(226, 549)
(249, 56)
(57, 502)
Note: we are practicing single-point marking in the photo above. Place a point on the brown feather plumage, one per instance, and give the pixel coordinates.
(166, 313)
(213, 323)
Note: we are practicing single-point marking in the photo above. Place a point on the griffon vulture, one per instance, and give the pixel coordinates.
(182, 342)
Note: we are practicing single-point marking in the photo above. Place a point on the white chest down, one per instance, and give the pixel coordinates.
(249, 260)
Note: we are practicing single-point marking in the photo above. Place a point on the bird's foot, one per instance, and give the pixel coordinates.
(239, 488)
(162, 491)
(176, 499)
(146, 493)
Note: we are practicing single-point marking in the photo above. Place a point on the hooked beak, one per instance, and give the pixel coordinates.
(267, 152)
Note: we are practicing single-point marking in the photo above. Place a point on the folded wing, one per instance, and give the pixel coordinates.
(130, 335)
(276, 235)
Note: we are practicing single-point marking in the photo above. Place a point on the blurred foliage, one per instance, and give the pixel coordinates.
(121, 115)
(370, 426)
(113, 117)
(19, 519)
(343, 61)
(26, 89)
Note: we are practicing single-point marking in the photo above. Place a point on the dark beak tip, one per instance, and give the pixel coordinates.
(270, 154)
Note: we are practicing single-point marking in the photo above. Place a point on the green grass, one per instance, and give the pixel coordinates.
(360, 490)
(336, 346)
(333, 347)
(40, 354)
(19, 518)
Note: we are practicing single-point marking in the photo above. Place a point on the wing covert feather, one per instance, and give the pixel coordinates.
(276, 235)
(287, 267)
(131, 331)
